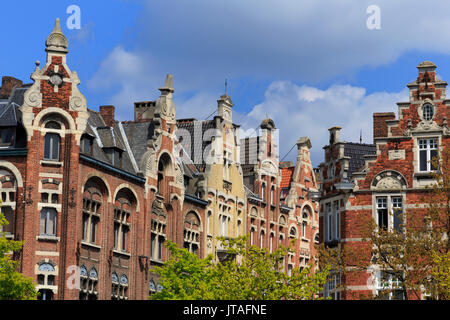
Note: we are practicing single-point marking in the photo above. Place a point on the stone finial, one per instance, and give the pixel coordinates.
(57, 41)
(268, 124)
(304, 141)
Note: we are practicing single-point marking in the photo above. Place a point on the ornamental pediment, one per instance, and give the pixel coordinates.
(388, 180)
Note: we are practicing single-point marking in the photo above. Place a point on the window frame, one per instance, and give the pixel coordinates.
(392, 204)
(49, 140)
(429, 145)
(47, 219)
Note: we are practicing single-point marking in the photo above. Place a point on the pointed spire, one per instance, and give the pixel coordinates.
(168, 84)
(57, 41)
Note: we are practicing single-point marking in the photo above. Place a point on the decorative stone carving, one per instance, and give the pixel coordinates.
(57, 41)
(389, 183)
(269, 167)
(388, 180)
(77, 100)
(165, 106)
(33, 96)
(396, 154)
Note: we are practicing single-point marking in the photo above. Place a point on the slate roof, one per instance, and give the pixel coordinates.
(193, 147)
(106, 137)
(356, 152)
(10, 114)
(138, 133)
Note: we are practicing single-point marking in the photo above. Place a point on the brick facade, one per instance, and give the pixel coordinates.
(394, 172)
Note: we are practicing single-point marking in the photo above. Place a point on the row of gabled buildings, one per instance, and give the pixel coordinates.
(95, 199)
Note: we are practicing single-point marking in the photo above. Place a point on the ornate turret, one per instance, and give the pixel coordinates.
(225, 106)
(57, 41)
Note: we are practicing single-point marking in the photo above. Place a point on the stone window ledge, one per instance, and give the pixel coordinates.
(90, 245)
(122, 253)
(47, 238)
(51, 163)
(423, 175)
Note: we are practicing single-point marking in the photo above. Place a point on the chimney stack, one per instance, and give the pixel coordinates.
(380, 128)
(8, 84)
(107, 113)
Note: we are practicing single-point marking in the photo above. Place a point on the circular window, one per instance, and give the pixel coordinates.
(427, 112)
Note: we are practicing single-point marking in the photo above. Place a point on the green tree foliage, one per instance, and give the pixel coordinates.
(248, 273)
(13, 285)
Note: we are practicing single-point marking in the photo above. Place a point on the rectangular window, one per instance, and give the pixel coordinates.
(397, 211)
(48, 222)
(427, 152)
(6, 136)
(160, 247)
(8, 213)
(224, 226)
(93, 230)
(86, 145)
(116, 235)
(382, 212)
(152, 245)
(328, 218)
(124, 238)
(51, 146)
(85, 226)
(337, 219)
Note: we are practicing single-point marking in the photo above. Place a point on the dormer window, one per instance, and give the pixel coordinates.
(86, 145)
(6, 136)
(427, 112)
(115, 156)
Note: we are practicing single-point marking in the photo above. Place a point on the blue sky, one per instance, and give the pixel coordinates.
(308, 64)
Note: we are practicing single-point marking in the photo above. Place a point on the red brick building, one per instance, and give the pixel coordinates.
(93, 199)
(372, 180)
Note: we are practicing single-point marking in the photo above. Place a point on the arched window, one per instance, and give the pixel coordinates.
(261, 239)
(293, 232)
(158, 230)
(46, 274)
(119, 287)
(48, 222)
(164, 169)
(192, 232)
(88, 283)
(92, 202)
(252, 236)
(271, 242)
(122, 224)
(152, 287)
(8, 190)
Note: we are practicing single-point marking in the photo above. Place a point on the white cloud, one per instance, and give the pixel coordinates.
(340, 105)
